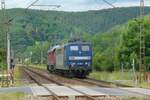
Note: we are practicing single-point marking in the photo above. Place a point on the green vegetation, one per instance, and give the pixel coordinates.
(12, 96)
(126, 77)
(18, 76)
(2, 57)
(114, 39)
(120, 46)
(111, 76)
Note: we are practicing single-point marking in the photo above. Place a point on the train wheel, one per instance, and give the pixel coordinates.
(52, 69)
(71, 75)
(48, 67)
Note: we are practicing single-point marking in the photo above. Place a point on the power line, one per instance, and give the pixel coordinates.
(109, 4)
(47, 5)
(34, 4)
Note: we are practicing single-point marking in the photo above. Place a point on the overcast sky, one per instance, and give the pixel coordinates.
(74, 5)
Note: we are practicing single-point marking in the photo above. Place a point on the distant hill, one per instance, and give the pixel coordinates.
(37, 25)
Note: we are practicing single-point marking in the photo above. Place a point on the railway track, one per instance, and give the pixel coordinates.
(56, 79)
(90, 81)
(33, 75)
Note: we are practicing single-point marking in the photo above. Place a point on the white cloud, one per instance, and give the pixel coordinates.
(17, 3)
(74, 5)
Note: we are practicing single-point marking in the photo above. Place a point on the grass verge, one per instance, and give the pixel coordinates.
(12, 96)
(124, 78)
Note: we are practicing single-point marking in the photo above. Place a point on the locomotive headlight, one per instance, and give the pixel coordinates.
(89, 64)
(73, 64)
(86, 63)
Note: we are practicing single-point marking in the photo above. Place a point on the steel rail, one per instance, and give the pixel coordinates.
(40, 84)
(90, 97)
(93, 81)
(44, 76)
(61, 84)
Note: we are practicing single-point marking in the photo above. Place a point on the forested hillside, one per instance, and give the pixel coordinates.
(120, 45)
(34, 31)
(32, 26)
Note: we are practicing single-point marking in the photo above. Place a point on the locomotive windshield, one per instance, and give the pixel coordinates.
(85, 48)
(82, 48)
(74, 48)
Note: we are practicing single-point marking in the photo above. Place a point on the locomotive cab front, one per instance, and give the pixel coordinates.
(79, 58)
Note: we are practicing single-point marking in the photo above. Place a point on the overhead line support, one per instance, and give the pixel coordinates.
(142, 41)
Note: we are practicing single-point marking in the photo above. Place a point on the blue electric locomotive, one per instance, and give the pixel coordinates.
(73, 59)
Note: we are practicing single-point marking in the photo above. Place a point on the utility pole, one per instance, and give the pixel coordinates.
(3, 32)
(3, 4)
(6, 31)
(8, 51)
(142, 41)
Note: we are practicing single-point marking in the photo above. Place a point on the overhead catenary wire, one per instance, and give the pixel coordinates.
(113, 6)
(32, 4)
(38, 5)
(46, 5)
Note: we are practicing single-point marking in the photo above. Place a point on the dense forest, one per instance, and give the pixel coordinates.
(120, 45)
(114, 34)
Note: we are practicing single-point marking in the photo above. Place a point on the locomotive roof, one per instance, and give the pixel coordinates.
(77, 42)
(53, 48)
(60, 46)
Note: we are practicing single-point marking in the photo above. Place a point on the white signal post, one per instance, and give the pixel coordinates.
(8, 51)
